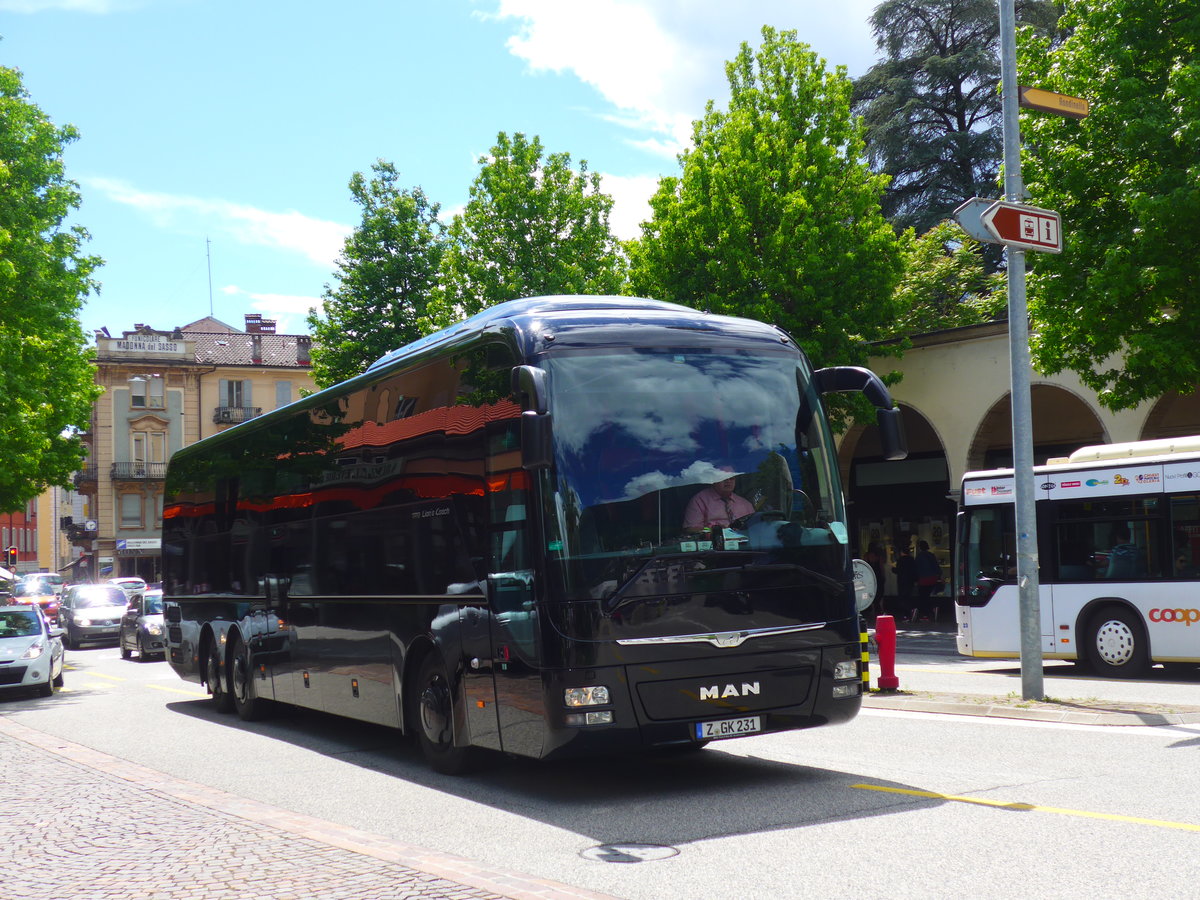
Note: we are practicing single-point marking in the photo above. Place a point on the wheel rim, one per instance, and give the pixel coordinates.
(435, 711)
(1115, 642)
(214, 674)
(240, 678)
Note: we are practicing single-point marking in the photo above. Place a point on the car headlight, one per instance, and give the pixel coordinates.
(36, 649)
(83, 621)
(595, 695)
(154, 628)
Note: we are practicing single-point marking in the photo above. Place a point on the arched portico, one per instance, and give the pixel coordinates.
(1062, 420)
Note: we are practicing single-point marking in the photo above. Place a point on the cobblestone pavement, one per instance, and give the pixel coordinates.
(77, 824)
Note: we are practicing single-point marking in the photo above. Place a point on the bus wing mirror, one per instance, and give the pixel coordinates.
(537, 450)
(850, 379)
(529, 384)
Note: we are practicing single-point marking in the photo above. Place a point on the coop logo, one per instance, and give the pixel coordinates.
(1186, 616)
(716, 692)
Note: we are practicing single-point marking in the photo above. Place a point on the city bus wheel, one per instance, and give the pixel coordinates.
(1116, 644)
(215, 675)
(431, 713)
(250, 707)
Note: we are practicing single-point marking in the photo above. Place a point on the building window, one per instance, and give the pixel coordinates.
(131, 510)
(283, 393)
(137, 392)
(156, 398)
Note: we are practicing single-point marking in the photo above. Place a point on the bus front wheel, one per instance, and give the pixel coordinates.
(1116, 644)
(431, 713)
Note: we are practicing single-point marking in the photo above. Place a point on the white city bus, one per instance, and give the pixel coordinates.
(1118, 558)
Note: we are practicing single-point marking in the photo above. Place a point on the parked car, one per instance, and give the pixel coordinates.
(130, 584)
(91, 612)
(142, 629)
(38, 592)
(31, 650)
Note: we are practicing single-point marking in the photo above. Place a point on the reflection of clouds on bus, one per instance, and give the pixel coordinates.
(700, 472)
(661, 402)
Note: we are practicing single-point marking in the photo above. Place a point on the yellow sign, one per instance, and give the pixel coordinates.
(1036, 98)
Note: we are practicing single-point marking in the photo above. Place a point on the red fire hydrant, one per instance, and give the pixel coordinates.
(885, 641)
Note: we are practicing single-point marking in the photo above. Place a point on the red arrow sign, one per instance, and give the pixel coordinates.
(1024, 227)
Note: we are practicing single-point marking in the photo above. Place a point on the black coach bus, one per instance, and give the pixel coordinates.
(481, 539)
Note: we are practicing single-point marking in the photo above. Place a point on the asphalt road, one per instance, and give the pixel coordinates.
(893, 804)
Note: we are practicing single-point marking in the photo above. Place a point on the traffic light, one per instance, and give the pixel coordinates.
(10, 558)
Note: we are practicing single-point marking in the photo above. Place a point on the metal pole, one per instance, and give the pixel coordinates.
(1032, 687)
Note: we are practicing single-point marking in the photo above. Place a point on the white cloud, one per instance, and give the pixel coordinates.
(657, 62)
(317, 239)
(290, 311)
(631, 202)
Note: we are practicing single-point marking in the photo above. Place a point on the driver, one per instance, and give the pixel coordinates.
(716, 505)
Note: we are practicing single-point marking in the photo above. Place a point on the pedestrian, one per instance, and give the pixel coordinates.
(905, 571)
(929, 577)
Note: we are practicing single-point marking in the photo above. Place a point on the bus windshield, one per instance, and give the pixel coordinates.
(640, 433)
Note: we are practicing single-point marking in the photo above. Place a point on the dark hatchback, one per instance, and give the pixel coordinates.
(91, 612)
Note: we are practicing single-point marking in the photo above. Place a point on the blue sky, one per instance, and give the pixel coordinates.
(222, 133)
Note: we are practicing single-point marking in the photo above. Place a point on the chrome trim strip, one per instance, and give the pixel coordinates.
(722, 638)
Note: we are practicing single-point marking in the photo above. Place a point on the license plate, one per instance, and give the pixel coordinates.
(707, 731)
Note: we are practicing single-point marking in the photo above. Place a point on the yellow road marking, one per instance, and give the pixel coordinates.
(171, 690)
(1029, 807)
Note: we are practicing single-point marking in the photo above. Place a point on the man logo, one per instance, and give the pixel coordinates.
(716, 692)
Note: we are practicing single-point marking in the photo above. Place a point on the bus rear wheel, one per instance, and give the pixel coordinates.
(250, 707)
(431, 713)
(215, 675)
(1116, 644)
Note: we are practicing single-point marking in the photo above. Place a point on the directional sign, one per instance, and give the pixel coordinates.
(970, 217)
(1024, 227)
(1048, 101)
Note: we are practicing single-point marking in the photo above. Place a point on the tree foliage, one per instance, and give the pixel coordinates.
(47, 377)
(931, 105)
(946, 283)
(1121, 305)
(532, 225)
(775, 216)
(386, 276)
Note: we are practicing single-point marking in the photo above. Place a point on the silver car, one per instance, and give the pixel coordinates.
(142, 626)
(31, 651)
(91, 612)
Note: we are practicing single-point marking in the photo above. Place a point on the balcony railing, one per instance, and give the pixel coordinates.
(85, 477)
(231, 415)
(139, 471)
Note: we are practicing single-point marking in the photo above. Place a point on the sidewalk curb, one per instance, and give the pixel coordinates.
(1061, 712)
(455, 869)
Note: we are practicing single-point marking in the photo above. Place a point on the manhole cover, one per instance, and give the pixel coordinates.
(629, 853)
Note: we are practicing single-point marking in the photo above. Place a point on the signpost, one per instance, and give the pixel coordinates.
(1023, 227)
(1048, 101)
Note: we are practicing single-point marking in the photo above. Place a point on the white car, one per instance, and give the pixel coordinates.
(31, 651)
(130, 584)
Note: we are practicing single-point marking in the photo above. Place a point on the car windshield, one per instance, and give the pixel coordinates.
(52, 580)
(19, 623)
(153, 605)
(100, 597)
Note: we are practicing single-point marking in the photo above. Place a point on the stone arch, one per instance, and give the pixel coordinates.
(895, 503)
(1063, 421)
(1173, 415)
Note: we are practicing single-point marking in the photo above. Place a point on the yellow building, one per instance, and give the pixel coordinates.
(164, 390)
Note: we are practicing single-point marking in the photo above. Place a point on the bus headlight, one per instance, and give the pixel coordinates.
(844, 670)
(596, 695)
(597, 717)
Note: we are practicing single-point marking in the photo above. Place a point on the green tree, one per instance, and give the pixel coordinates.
(386, 276)
(532, 226)
(946, 283)
(931, 105)
(1121, 305)
(775, 215)
(47, 377)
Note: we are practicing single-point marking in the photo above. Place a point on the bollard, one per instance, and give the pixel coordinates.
(885, 640)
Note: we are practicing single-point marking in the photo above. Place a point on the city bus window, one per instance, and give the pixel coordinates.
(1185, 536)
